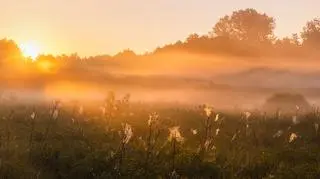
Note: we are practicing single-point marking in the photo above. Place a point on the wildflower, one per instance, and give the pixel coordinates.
(55, 114)
(112, 153)
(297, 107)
(174, 174)
(234, 137)
(194, 131)
(174, 134)
(295, 120)
(72, 119)
(103, 110)
(271, 176)
(153, 117)
(206, 144)
(81, 110)
(278, 134)
(33, 115)
(316, 127)
(247, 115)
(279, 113)
(217, 118)
(127, 133)
(247, 126)
(217, 131)
(208, 110)
(293, 137)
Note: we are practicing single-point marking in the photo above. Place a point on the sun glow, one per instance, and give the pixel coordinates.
(45, 65)
(30, 50)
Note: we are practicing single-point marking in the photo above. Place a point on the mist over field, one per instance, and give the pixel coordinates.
(240, 100)
(221, 80)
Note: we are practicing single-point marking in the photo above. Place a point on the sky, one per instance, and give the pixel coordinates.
(93, 27)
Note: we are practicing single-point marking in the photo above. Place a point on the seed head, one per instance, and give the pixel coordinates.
(33, 115)
(316, 127)
(278, 134)
(208, 110)
(81, 110)
(295, 120)
(293, 137)
(174, 134)
(216, 118)
(103, 110)
(153, 117)
(194, 131)
(247, 115)
(55, 114)
(217, 131)
(127, 133)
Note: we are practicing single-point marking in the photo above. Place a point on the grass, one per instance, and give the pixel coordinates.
(84, 142)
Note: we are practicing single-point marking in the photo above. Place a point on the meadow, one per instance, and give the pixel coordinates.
(118, 138)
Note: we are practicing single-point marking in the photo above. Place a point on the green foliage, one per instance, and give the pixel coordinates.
(89, 146)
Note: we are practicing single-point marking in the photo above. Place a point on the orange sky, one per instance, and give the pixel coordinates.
(92, 27)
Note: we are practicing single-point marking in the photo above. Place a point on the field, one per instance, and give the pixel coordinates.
(122, 139)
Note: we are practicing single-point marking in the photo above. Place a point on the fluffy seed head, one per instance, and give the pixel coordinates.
(295, 120)
(33, 115)
(194, 131)
(127, 129)
(208, 110)
(292, 137)
(174, 134)
(316, 127)
(55, 114)
(217, 131)
(153, 117)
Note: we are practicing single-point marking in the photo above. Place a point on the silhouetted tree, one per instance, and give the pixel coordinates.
(289, 46)
(9, 52)
(311, 34)
(246, 25)
(125, 54)
(295, 39)
(192, 37)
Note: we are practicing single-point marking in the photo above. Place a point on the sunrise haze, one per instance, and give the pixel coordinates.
(107, 27)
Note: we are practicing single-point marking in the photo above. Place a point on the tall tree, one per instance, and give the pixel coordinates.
(288, 46)
(246, 25)
(9, 52)
(311, 34)
(192, 37)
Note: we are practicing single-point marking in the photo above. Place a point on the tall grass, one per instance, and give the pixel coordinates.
(125, 140)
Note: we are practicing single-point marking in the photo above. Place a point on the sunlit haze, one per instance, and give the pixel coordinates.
(106, 27)
(30, 49)
(159, 89)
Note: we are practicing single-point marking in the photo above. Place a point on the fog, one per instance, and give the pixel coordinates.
(225, 82)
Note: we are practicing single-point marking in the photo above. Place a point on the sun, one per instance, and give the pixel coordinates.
(30, 50)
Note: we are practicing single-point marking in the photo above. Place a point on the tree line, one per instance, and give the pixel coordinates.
(248, 32)
(244, 32)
